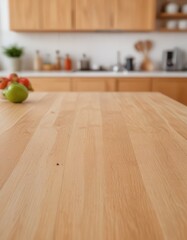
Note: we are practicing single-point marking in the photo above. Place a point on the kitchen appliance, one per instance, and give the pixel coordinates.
(84, 63)
(129, 65)
(172, 60)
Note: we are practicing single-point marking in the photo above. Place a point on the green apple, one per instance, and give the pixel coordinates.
(16, 93)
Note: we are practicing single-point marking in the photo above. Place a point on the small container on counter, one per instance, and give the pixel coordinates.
(47, 65)
(68, 63)
(38, 62)
(58, 65)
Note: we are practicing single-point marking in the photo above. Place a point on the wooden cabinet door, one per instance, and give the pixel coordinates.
(134, 15)
(25, 15)
(50, 84)
(175, 88)
(56, 15)
(134, 84)
(93, 84)
(40, 15)
(94, 14)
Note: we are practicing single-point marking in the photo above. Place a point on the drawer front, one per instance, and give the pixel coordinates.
(51, 84)
(134, 85)
(94, 84)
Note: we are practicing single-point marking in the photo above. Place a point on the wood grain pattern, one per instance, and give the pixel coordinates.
(82, 15)
(94, 15)
(81, 166)
(73, 84)
(134, 85)
(41, 15)
(134, 15)
(57, 15)
(51, 84)
(25, 15)
(93, 84)
(175, 88)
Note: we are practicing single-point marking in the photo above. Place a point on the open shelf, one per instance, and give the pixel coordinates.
(172, 16)
(172, 30)
(163, 17)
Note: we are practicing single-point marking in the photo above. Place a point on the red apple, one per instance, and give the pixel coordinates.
(4, 83)
(13, 77)
(26, 83)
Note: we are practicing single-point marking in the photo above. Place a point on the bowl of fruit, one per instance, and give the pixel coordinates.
(14, 88)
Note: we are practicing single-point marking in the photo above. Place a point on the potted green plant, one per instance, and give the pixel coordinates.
(14, 53)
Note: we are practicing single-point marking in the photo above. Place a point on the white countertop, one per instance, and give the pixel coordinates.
(136, 74)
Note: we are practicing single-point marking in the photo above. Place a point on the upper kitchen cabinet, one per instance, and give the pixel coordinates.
(57, 15)
(94, 15)
(25, 15)
(40, 15)
(135, 15)
(82, 15)
(125, 15)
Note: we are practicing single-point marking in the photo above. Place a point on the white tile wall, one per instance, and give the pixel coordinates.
(101, 47)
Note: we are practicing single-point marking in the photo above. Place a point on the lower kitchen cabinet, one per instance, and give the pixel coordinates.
(93, 84)
(73, 84)
(51, 84)
(134, 84)
(175, 88)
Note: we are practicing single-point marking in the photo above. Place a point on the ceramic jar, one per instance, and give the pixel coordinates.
(172, 8)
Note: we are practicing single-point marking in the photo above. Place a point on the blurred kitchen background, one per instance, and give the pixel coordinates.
(100, 47)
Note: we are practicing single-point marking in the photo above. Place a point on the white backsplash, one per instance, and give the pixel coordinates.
(101, 47)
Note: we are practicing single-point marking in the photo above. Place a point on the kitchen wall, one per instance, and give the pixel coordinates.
(101, 47)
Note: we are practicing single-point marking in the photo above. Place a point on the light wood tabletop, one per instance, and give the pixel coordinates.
(93, 166)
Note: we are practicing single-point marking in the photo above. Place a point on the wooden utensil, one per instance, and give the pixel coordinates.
(148, 45)
(139, 46)
(145, 47)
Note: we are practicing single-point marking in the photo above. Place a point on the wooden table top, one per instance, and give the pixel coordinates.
(93, 166)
